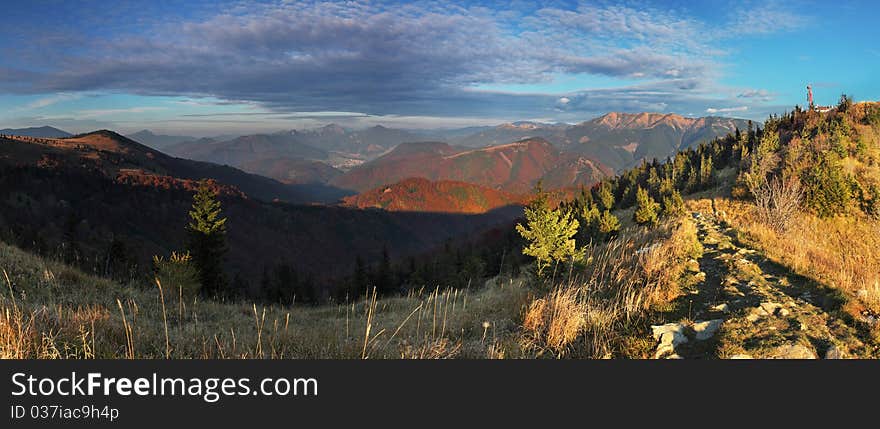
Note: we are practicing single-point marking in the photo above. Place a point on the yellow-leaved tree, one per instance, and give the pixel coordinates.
(550, 233)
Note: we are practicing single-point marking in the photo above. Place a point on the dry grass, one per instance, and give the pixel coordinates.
(555, 321)
(840, 252)
(601, 307)
(51, 311)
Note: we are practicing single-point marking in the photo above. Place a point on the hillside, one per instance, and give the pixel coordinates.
(422, 195)
(244, 149)
(717, 276)
(510, 132)
(292, 170)
(513, 167)
(101, 197)
(44, 131)
(116, 158)
(158, 141)
(761, 258)
(365, 144)
(620, 140)
(428, 325)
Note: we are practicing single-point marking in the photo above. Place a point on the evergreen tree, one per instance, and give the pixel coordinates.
(550, 233)
(384, 276)
(69, 241)
(604, 196)
(646, 208)
(608, 224)
(207, 238)
(673, 204)
(707, 176)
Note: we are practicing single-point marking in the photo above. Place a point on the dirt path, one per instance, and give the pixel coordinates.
(742, 305)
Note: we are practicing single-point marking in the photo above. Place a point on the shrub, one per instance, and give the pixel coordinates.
(828, 190)
(178, 274)
(778, 201)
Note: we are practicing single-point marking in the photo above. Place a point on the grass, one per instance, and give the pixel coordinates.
(603, 309)
(840, 252)
(600, 309)
(52, 311)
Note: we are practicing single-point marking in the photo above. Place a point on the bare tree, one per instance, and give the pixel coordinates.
(778, 200)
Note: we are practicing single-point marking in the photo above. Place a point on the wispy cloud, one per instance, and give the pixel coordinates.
(97, 113)
(415, 60)
(727, 109)
(48, 101)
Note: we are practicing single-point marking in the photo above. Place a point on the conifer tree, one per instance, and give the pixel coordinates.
(604, 196)
(609, 225)
(207, 238)
(706, 171)
(550, 233)
(673, 204)
(646, 208)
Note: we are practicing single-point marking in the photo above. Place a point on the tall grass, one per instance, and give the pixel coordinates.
(590, 313)
(48, 310)
(841, 252)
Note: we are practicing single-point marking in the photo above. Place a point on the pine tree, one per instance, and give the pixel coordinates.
(673, 204)
(384, 275)
(207, 238)
(604, 196)
(707, 176)
(550, 234)
(609, 225)
(646, 208)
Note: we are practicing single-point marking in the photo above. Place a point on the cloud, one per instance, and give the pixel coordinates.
(765, 17)
(756, 94)
(48, 101)
(97, 113)
(727, 109)
(413, 60)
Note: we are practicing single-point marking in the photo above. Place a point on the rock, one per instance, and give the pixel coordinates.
(835, 352)
(707, 329)
(692, 265)
(723, 307)
(741, 356)
(792, 351)
(783, 312)
(700, 277)
(770, 307)
(669, 336)
(674, 356)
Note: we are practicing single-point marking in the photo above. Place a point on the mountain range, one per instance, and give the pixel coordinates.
(44, 131)
(98, 188)
(514, 167)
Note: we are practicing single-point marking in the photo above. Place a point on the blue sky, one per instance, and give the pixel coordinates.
(209, 67)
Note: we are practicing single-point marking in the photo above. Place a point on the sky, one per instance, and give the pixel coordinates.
(222, 67)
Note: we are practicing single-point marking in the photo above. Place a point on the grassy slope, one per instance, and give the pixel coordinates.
(49, 310)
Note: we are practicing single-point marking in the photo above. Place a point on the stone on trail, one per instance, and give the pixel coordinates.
(836, 352)
(723, 307)
(669, 336)
(707, 329)
(792, 351)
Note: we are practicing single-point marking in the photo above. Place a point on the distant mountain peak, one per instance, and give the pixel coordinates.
(44, 131)
(617, 120)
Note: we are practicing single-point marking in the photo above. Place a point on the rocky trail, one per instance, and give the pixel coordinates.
(741, 305)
